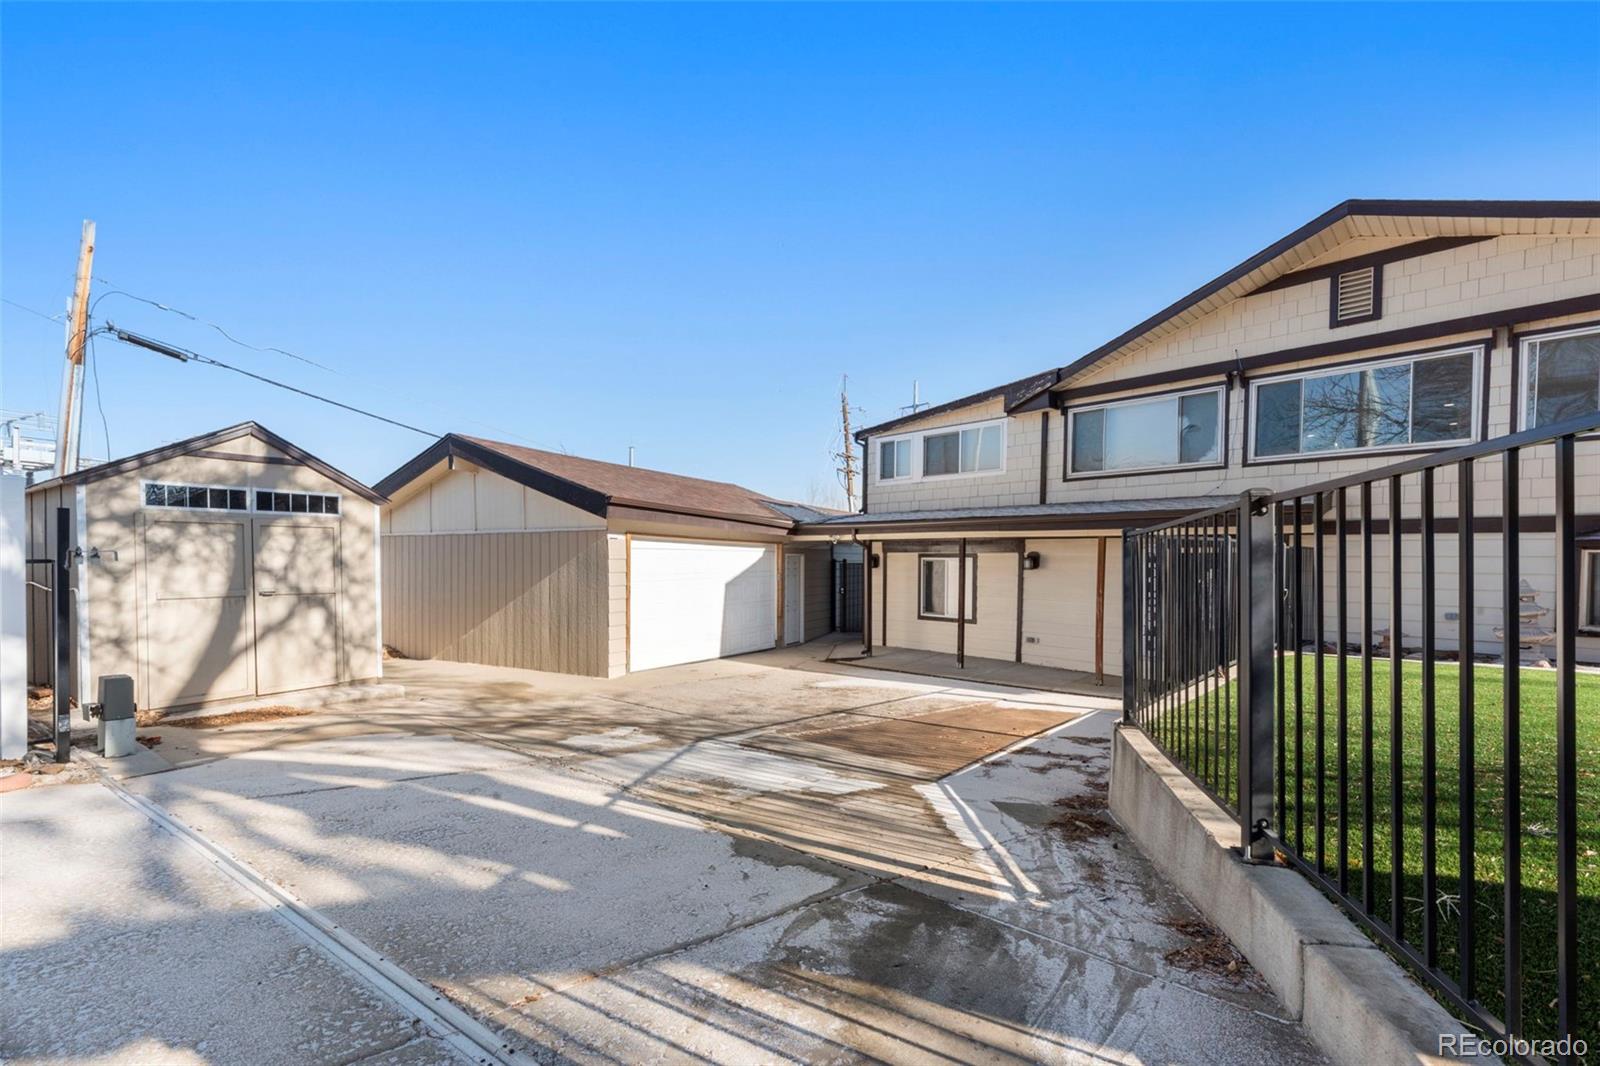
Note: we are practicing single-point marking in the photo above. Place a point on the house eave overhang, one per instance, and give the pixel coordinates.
(1421, 219)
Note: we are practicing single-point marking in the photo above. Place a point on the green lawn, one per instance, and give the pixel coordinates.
(1207, 746)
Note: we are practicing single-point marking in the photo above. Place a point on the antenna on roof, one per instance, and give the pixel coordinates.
(916, 403)
(630, 455)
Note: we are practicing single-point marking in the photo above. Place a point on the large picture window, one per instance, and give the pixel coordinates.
(939, 585)
(963, 451)
(1560, 376)
(1399, 403)
(1147, 434)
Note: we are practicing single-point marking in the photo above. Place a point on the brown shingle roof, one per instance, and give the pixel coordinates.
(636, 486)
(597, 486)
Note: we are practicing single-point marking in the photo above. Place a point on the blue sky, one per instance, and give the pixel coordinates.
(585, 227)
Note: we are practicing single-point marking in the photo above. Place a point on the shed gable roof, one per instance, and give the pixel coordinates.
(210, 440)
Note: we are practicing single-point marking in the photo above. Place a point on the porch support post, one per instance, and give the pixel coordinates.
(866, 598)
(961, 605)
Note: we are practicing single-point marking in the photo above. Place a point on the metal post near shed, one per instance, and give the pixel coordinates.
(61, 582)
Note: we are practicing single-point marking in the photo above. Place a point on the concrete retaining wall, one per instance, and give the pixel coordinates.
(1352, 998)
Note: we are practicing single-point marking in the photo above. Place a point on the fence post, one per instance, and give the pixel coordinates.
(1130, 633)
(1257, 609)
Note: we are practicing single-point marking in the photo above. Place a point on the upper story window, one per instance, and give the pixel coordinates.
(1560, 376)
(894, 459)
(1149, 433)
(963, 451)
(195, 497)
(1396, 403)
(974, 449)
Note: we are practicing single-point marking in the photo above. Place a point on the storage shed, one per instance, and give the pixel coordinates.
(512, 556)
(229, 565)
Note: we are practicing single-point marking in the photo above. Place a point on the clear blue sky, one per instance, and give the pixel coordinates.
(675, 227)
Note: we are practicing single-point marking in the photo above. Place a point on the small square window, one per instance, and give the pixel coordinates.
(236, 500)
(333, 505)
(218, 499)
(263, 501)
(197, 497)
(314, 504)
(297, 502)
(280, 501)
(155, 495)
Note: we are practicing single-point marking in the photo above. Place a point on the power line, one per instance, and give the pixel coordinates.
(158, 305)
(184, 355)
(115, 291)
(24, 307)
(99, 399)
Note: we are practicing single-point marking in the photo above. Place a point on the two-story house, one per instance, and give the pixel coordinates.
(1378, 329)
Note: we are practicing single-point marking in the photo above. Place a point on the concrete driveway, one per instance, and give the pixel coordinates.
(762, 859)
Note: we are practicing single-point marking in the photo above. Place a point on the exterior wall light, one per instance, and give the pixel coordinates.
(1030, 561)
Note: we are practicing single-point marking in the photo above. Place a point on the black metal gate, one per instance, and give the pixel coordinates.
(846, 596)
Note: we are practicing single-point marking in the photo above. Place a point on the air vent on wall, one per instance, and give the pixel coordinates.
(1356, 296)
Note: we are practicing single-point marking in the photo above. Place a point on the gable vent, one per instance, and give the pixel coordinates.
(1356, 295)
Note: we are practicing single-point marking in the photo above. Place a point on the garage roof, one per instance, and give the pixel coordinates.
(596, 486)
(211, 440)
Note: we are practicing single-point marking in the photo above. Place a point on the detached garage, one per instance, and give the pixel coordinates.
(512, 556)
(226, 566)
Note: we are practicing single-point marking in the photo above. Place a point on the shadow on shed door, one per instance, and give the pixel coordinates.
(197, 639)
(296, 604)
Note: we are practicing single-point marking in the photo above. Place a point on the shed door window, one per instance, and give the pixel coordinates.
(938, 595)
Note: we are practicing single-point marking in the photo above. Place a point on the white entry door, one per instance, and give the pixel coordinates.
(794, 598)
(694, 600)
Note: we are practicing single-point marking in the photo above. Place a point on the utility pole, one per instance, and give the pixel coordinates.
(847, 454)
(70, 428)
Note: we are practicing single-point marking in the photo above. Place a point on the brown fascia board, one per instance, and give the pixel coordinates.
(1350, 208)
(453, 446)
(206, 440)
(1015, 393)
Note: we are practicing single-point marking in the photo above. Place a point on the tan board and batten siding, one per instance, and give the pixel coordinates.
(539, 601)
(143, 558)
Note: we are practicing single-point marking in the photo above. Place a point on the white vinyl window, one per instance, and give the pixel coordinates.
(974, 449)
(939, 591)
(963, 451)
(894, 459)
(1398, 403)
(1560, 376)
(1149, 433)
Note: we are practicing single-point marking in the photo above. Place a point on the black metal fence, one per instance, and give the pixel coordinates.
(1295, 655)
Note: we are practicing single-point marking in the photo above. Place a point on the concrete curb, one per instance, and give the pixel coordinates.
(1353, 999)
(313, 699)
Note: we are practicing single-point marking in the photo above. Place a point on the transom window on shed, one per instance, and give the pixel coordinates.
(1560, 376)
(296, 502)
(1151, 433)
(963, 451)
(195, 497)
(1397, 403)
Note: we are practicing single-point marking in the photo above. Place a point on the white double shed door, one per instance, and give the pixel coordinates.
(696, 600)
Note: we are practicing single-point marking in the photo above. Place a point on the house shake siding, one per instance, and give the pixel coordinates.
(1497, 275)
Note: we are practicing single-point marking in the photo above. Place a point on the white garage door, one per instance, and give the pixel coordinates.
(692, 601)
